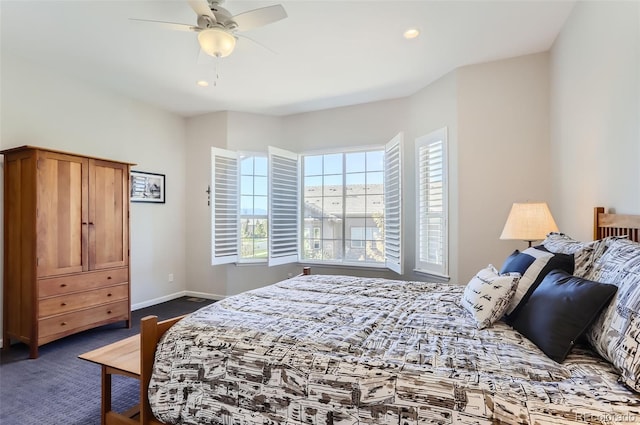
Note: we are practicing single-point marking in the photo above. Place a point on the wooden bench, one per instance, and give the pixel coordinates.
(120, 358)
(124, 358)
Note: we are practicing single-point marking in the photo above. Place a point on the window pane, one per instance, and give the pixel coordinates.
(376, 179)
(246, 205)
(333, 164)
(375, 251)
(260, 166)
(333, 206)
(331, 229)
(260, 229)
(260, 205)
(355, 162)
(312, 186)
(355, 251)
(332, 250)
(375, 161)
(355, 205)
(313, 207)
(246, 166)
(260, 248)
(246, 185)
(246, 228)
(333, 185)
(246, 248)
(261, 186)
(375, 205)
(355, 179)
(313, 165)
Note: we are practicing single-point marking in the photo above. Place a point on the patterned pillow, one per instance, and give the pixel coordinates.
(487, 295)
(533, 264)
(615, 335)
(585, 259)
(562, 244)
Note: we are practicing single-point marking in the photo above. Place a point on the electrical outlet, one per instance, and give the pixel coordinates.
(170, 277)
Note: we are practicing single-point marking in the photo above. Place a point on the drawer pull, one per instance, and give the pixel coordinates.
(63, 285)
(63, 304)
(108, 311)
(109, 294)
(108, 277)
(63, 324)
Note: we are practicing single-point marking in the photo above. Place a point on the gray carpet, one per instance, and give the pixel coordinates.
(57, 388)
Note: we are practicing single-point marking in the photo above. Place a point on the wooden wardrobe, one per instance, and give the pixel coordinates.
(66, 245)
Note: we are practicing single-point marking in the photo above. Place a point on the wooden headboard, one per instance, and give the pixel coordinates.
(605, 224)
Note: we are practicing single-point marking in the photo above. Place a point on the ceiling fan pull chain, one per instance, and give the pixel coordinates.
(217, 67)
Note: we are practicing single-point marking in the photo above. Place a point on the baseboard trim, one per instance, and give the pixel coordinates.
(154, 301)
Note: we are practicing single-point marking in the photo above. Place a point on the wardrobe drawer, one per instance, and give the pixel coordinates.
(81, 282)
(83, 319)
(75, 301)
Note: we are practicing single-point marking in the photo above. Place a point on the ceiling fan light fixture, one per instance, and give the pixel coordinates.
(411, 33)
(216, 42)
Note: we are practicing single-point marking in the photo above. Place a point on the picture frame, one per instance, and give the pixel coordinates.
(147, 187)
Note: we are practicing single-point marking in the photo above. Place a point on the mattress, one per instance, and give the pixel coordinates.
(348, 350)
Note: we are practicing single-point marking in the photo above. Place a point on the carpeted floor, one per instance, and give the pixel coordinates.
(57, 388)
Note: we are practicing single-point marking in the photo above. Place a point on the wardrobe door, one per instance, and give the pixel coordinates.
(108, 214)
(61, 214)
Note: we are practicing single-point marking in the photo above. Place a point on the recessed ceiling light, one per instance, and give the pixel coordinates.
(411, 33)
(203, 83)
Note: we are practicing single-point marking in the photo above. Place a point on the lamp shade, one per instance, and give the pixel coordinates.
(216, 42)
(529, 222)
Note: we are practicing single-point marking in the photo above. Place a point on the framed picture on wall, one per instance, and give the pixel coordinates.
(147, 187)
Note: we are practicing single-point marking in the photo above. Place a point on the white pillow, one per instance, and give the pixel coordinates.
(488, 295)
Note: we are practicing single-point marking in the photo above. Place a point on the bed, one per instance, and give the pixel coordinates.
(346, 350)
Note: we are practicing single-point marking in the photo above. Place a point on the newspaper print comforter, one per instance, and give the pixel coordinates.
(344, 350)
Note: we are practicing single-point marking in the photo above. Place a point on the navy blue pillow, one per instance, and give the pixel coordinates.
(560, 310)
(516, 263)
(521, 264)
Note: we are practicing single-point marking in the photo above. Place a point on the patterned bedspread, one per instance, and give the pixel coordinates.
(345, 350)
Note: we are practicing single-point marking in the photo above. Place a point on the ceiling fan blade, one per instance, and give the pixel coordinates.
(259, 17)
(201, 7)
(169, 25)
(256, 42)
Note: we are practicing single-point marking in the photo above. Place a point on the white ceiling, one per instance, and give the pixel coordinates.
(329, 53)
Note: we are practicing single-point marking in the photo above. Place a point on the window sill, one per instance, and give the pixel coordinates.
(344, 265)
(251, 263)
(432, 274)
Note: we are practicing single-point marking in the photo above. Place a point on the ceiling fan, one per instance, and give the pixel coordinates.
(218, 30)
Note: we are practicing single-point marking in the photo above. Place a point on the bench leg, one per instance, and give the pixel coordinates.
(106, 395)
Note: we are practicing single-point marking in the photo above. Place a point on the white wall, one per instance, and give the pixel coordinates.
(595, 114)
(203, 132)
(503, 153)
(44, 109)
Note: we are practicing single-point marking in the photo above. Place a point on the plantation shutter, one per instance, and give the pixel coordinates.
(224, 206)
(284, 210)
(432, 212)
(393, 205)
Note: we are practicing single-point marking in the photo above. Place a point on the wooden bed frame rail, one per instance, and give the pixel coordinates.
(609, 224)
(604, 224)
